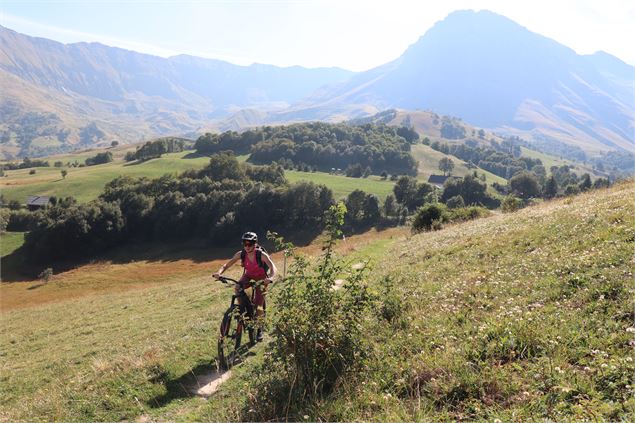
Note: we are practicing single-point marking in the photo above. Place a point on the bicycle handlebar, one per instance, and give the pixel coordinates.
(225, 279)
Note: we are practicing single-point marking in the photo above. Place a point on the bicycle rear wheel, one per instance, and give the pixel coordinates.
(231, 331)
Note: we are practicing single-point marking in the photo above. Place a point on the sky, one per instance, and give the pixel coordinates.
(351, 34)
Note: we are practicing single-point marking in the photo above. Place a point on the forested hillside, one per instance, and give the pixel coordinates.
(321, 145)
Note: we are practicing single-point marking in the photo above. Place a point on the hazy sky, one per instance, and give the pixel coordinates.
(355, 35)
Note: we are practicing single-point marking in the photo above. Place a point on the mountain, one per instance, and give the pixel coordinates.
(56, 96)
(493, 73)
(478, 66)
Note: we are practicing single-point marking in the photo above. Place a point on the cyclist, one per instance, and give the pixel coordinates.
(257, 266)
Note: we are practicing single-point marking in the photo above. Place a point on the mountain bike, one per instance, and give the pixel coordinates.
(238, 317)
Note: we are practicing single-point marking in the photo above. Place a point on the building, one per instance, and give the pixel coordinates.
(34, 202)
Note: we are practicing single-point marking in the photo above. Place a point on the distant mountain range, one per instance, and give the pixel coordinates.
(57, 95)
(478, 66)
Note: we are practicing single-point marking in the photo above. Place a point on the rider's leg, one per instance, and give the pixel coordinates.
(259, 303)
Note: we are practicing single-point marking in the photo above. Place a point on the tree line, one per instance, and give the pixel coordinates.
(214, 203)
(321, 145)
(496, 161)
(157, 148)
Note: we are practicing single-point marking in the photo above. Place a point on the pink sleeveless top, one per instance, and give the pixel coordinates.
(252, 270)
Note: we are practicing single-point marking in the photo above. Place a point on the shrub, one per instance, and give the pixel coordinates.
(4, 220)
(14, 205)
(463, 214)
(455, 202)
(21, 220)
(427, 215)
(317, 333)
(100, 158)
(511, 204)
(32, 172)
(46, 274)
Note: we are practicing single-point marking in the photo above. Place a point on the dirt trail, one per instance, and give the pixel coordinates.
(206, 385)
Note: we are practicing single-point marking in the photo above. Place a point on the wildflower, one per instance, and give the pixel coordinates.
(630, 329)
(306, 417)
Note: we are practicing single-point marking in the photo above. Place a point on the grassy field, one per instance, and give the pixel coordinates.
(517, 316)
(342, 185)
(10, 241)
(86, 183)
(85, 344)
(429, 164)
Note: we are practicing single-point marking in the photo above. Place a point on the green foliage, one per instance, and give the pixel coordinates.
(76, 231)
(155, 149)
(455, 202)
(463, 214)
(100, 158)
(511, 204)
(223, 198)
(354, 170)
(525, 185)
(411, 193)
(499, 159)
(585, 182)
(4, 219)
(446, 165)
(433, 216)
(320, 145)
(22, 220)
(362, 210)
(46, 274)
(318, 336)
(452, 131)
(551, 187)
(473, 191)
(427, 216)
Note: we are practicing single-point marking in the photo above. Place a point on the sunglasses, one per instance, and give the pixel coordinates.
(248, 244)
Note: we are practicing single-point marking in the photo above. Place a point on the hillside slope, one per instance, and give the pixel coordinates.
(127, 95)
(494, 73)
(517, 316)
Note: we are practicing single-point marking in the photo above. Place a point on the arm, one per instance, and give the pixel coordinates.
(227, 265)
(273, 270)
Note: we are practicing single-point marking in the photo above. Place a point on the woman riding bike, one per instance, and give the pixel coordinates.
(257, 266)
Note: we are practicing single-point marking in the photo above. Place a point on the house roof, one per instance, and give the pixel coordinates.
(37, 200)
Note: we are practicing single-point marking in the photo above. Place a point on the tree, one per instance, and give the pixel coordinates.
(405, 190)
(427, 216)
(471, 189)
(355, 171)
(601, 183)
(455, 202)
(585, 182)
(222, 166)
(114, 143)
(390, 206)
(446, 165)
(525, 185)
(64, 172)
(551, 187)
(384, 175)
(100, 158)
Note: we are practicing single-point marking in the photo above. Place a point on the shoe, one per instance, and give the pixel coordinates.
(259, 336)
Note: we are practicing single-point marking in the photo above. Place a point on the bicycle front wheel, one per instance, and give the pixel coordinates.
(229, 339)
